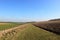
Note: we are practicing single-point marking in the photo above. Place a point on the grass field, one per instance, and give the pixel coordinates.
(35, 33)
(4, 26)
(32, 33)
(26, 32)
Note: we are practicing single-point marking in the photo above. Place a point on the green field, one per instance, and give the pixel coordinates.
(9, 25)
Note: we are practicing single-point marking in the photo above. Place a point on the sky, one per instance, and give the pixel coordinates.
(29, 10)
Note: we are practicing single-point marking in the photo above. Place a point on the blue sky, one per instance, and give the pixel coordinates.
(29, 10)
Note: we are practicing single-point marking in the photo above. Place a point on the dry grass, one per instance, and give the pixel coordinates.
(10, 33)
(35, 33)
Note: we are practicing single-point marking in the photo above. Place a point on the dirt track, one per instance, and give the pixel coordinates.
(16, 29)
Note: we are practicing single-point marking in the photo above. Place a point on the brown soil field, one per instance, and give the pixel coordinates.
(52, 26)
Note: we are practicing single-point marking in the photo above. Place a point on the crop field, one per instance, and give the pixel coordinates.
(52, 26)
(3, 23)
(35, 33)
(28, 31)
(4, 26)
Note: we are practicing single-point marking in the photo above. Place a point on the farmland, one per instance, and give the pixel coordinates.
(26, 31)
(35, 33)
(52, 26)
(8, 25)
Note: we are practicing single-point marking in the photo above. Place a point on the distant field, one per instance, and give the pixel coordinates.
(4, 26)
(3, 23)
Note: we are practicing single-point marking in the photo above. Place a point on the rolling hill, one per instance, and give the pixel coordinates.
(28, 32)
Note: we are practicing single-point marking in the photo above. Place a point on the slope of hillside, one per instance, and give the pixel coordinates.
(29, 32)
(52, 26)
(55, 19)
(35, 33)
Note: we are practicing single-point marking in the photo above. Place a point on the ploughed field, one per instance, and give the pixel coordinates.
(52, 26)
